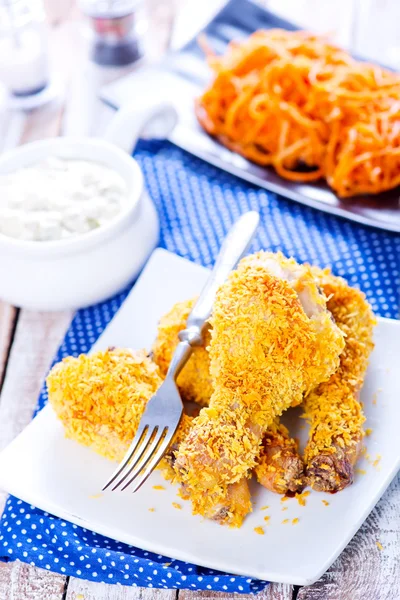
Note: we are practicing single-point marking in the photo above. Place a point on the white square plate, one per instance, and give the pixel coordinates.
(58, 475)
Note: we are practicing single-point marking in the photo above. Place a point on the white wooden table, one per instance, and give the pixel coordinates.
(28, 340)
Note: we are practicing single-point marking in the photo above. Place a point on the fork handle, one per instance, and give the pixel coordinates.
(179, 358)
(234, 246)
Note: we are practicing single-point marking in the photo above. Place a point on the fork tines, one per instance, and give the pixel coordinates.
(145, 452)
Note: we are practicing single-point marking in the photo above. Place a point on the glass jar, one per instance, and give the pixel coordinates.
(24, 65)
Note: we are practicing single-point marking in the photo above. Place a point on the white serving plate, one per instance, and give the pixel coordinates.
(58, 475)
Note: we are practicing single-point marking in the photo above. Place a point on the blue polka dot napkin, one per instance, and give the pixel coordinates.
(197, 203)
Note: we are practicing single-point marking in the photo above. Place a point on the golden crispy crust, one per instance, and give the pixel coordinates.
(333, 408)
(100, 399)
(267, 349)
(280, 468)
(228, 505)
(264, 352)
(194, 381)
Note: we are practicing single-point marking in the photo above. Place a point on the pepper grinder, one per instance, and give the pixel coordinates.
(117, 28)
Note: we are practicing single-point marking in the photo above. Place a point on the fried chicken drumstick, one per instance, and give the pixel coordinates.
(100, 399)
(272, 341)
(280, 467)
(333, 408)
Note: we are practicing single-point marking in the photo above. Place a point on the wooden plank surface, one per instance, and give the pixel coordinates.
(362, 571)
(88, 590)
(24, 582)
(8, 316)
(36, 339)
(274, 591)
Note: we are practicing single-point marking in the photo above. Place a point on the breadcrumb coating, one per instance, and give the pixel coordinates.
(228, 506)
(301, 498)
(100, 399)
(280, 467)
(333, 409)
(272, 340)
(194, 381)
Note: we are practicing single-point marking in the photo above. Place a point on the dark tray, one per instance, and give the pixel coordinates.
(182, 75)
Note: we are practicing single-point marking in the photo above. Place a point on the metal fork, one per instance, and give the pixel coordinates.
(164, 410)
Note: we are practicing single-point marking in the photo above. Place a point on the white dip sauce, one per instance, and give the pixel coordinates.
(56, 199)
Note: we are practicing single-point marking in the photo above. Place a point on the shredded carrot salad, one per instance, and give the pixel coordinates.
(294, 101)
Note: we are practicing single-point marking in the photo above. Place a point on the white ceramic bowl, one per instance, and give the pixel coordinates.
(86, 269)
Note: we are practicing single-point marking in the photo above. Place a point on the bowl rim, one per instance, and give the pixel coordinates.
(90, 238)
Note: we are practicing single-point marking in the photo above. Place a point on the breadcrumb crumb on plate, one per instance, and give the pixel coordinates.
(377, 460)
(380, 547)
(259, 530)
(77, 472)
(301, 498)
